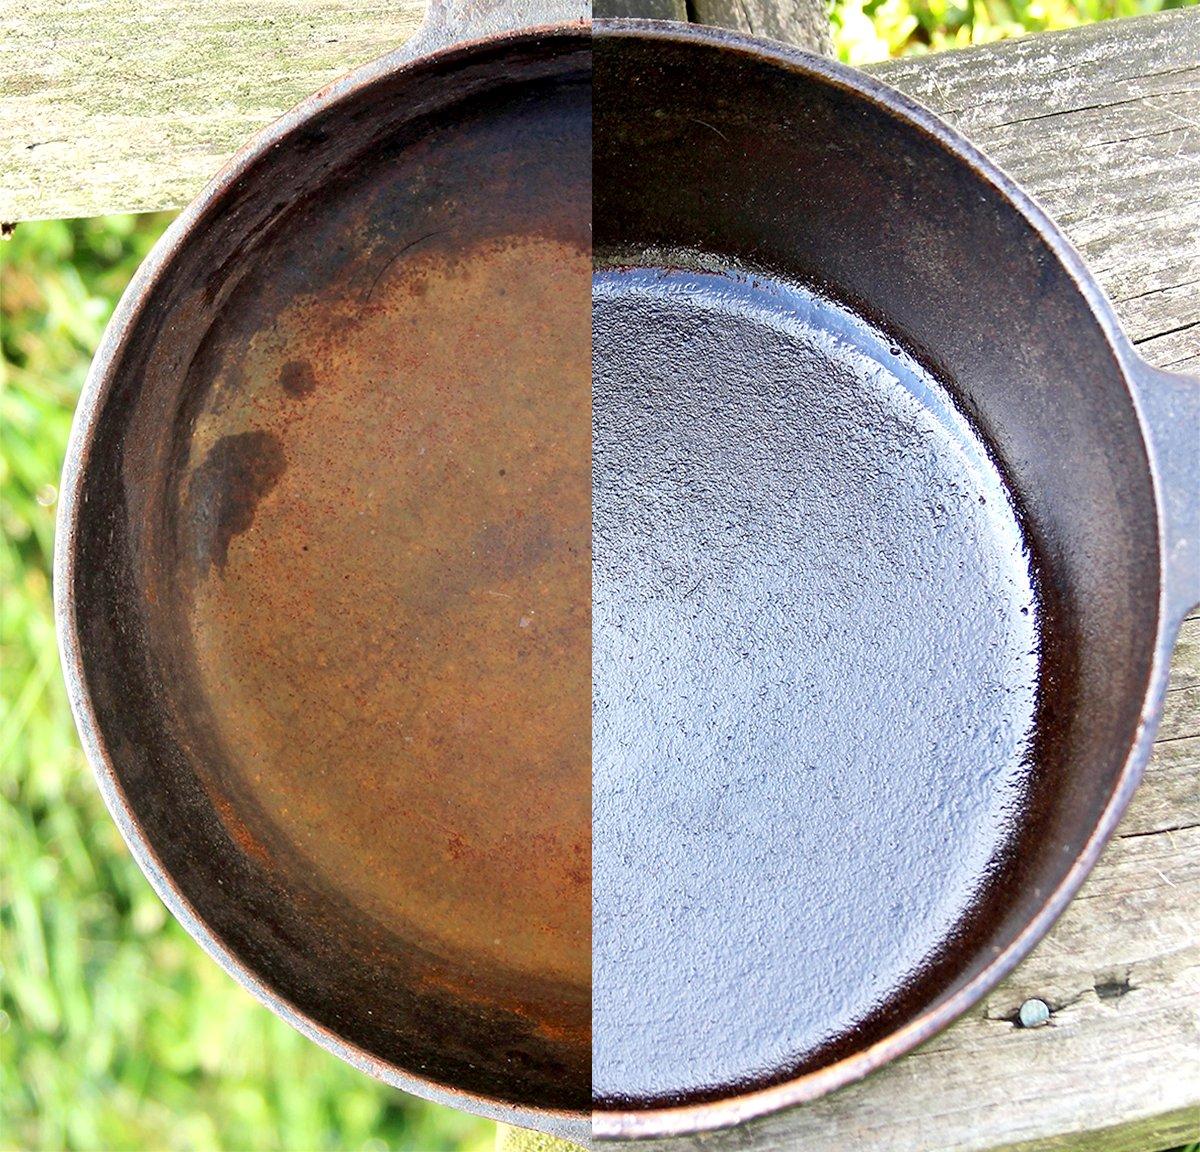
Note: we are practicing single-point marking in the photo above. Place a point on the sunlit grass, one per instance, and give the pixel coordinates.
(117, 1032)
(866, 31)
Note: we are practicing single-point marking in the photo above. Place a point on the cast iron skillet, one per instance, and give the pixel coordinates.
(322, 573)
(892, 535)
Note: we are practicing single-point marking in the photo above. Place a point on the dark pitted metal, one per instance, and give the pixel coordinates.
(892, 533)
(323, 566)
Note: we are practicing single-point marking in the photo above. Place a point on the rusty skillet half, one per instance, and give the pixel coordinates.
(892, 535)
(323, 565)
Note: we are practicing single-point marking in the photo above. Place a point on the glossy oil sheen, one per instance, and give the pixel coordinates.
(815, 677)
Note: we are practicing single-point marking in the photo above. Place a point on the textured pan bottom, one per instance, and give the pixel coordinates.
(815, 675)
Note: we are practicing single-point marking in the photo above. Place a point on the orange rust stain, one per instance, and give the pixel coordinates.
(396, 646)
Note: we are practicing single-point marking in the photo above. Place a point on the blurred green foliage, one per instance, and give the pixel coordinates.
(116, 1032)
(866, 31)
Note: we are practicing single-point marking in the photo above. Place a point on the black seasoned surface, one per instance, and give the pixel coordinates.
(815, 667)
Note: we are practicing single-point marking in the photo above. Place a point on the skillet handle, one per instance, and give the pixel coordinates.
(1170, 407)
(450, 22)
(801, 23)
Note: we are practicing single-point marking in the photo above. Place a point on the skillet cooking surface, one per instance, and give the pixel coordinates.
(815, 678)
(385, 502)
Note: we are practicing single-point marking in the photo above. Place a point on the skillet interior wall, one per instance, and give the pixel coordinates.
(516, 1040)
(704, 148)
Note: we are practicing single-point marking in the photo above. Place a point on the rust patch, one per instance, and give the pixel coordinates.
(239, 470)
(414, 617)
(391, 677)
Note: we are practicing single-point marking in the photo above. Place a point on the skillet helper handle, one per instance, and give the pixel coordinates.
(801, 23)
(450, 22)
(1170, 406)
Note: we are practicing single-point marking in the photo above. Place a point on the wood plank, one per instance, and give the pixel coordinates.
(133, 105)
(104, 113)
(1102, 125)
(1181, 718)
(1186, 667)
(640, 9)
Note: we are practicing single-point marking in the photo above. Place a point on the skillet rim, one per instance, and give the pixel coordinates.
(677, 1120)
(90, 410)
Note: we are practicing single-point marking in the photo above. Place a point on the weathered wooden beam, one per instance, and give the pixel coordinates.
(640, 9)
(132, 105)
(804, 23)
(1102, 125)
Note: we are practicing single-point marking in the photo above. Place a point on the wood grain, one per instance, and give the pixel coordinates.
(1102, 125)
(640, 9)
(131, 105)
(103, 111)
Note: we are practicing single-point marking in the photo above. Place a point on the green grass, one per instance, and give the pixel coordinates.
(869, 30)
(116, 1031)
